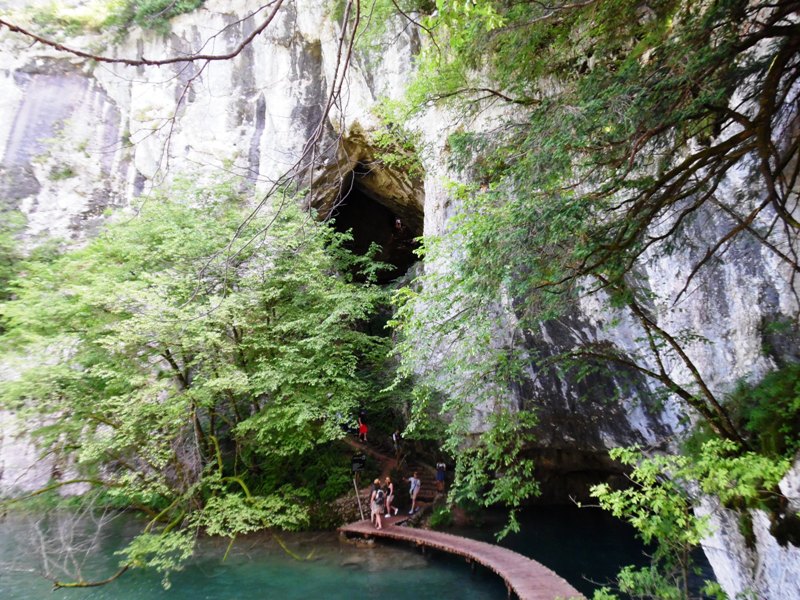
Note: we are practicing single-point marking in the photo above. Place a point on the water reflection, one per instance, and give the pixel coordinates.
(64, 544)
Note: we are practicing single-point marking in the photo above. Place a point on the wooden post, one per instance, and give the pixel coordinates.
(360, 510)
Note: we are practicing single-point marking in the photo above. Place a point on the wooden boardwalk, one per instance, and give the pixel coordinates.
(526, 578)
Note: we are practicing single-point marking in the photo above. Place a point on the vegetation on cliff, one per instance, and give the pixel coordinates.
(618, 134)
(199, 379)
(104, 15)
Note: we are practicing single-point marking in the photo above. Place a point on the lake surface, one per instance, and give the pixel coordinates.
(581, 545)
(586, 546)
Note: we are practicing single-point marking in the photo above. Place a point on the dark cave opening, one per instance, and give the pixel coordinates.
(372, 219)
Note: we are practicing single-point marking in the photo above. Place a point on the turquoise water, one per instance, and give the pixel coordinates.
(585, 547)
(257, 568)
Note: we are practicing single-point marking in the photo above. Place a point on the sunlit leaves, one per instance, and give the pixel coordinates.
(660, 505)
(186, 357)
(164, 552)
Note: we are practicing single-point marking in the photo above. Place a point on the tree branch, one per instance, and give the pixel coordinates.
(132, 62)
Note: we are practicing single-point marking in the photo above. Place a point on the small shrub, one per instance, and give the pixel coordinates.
(441, 518)
(769, 411)
(397, 147)
(62, 172)
(55, 18)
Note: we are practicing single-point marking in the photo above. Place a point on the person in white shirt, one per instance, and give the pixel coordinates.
(413, 489)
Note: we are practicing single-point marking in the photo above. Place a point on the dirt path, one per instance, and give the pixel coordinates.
(388, 463)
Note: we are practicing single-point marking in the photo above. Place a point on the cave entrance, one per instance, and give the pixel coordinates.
(389, 222)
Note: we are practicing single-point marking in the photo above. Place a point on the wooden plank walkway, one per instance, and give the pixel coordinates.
(525, 577)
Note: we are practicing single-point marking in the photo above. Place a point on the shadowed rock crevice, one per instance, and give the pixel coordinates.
(373, 219)
(379, 202)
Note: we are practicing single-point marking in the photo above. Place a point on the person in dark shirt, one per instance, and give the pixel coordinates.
(389, 486)
(440, 475)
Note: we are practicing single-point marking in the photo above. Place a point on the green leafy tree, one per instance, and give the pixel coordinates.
(623, 124)
(660, 505)
(181, 370)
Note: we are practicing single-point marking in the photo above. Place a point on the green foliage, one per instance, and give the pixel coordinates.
(11, 224)
(75, 19)
(197, 362)
(769, 411)
(95, 16)
(461, 376)
(337, 9)
(649, 582)
(164, 552)
(323, 474)
(441, 518)
(234, 514)
(148, 14)
(660, 502)
(396, 146)
(62, 172)
(380, 21)
(493, 468)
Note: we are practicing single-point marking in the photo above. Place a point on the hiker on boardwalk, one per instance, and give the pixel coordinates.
(377, 503)
(413, 489)
(390, 498)
(372, 487)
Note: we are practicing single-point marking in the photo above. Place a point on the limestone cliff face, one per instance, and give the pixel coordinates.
(77, 138)
(60, 132)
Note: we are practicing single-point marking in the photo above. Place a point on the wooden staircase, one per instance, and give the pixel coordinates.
(427, 491)
(383, 450)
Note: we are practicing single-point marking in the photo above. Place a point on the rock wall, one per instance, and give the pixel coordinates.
(21, 469)
(61, 158)
(78, 137)
(761, 565)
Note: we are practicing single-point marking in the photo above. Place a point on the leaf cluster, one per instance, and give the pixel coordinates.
(660, 505)
(769, 411)
(148, 14)
(97, 16)
(396, 146)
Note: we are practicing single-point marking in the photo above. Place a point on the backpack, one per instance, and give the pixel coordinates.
(379, 496)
